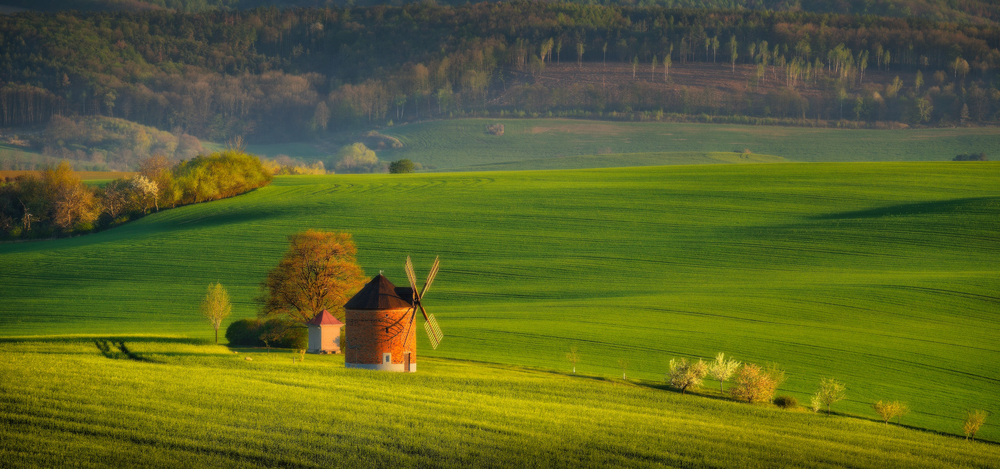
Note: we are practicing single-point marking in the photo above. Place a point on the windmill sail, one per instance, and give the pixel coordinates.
(434, 334)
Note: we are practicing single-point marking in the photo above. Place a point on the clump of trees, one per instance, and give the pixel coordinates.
(358, 158)
(58, 203)
(402, 166)
(974, 420)
(971, 157)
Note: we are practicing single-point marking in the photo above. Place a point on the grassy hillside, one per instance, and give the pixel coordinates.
(883, 276)
(463, 144)
(66, 405)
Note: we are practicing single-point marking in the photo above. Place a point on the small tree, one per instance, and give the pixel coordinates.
(216, 307)
(755, 384)
(830, 391)
(623, 364)
(722, 369)
(973, 421)
(684, 374)
(573, 357)
(357, 158)
(890, 410)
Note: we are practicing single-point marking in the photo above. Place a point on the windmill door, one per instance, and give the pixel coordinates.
(406, 361)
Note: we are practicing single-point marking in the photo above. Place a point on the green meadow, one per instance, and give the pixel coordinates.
(881, 275)
(464, 145)
(187, 404)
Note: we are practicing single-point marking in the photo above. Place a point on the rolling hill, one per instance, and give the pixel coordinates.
(882, 275)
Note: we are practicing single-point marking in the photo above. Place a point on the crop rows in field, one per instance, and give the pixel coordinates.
(63, 403)
(883, 276)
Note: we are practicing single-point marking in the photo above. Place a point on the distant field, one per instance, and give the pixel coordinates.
(462, 144)
(882, 275)
(193, 405)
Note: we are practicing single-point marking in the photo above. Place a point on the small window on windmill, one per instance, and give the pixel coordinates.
(387, 358)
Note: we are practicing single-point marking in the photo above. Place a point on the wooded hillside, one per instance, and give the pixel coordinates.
(278, 75)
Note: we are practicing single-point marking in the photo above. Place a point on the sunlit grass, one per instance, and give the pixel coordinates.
(202, 405)
(883, 276)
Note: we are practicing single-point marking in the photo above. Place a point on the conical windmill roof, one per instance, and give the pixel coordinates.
(380, 293)
(324, 318)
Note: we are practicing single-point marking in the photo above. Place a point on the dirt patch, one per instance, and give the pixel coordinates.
(578, 128)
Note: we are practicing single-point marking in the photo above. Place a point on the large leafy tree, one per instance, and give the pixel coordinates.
(318, 272)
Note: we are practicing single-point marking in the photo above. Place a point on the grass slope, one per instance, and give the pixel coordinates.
(463, 144)
(64, 404)
(884, 276)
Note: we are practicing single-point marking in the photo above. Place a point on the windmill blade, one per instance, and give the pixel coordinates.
(410, 275)
(430, 335)
(433, 329)
(431, 275)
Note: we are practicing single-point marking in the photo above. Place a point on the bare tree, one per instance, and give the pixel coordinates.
(216, 306)
(573, 356)
(830, 391)
(722, 369)
(623, 364)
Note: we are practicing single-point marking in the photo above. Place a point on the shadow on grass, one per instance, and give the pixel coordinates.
(919, 208)
(79, 338)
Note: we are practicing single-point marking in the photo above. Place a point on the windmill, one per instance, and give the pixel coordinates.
(434, 333)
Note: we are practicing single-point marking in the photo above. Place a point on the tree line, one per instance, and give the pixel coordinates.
(58, 203)
(273, 75)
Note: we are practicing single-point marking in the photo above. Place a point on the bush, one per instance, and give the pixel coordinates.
(401, 166)
(245, 333)
(971, 157)
(495, 129)
(282, 333)
(786, 402)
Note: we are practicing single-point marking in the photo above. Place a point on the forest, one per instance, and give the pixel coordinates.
(273, 75)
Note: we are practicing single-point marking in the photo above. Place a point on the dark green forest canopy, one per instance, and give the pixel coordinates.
(939, 10)
(280, 74)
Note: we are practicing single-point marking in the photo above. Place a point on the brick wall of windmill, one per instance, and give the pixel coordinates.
(371, 333)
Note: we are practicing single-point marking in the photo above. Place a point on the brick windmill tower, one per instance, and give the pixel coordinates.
(381, 328)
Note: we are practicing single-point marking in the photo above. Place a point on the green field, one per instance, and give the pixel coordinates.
(63, 404)
(882, 275)
(463, 145)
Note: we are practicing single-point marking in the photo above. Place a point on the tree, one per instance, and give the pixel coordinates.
(573, 356)
(733, 53)
(216, 306)
(721, 369)
(684, 374)
(579, 53)
(830, 391)
(72, 203)
(890, 410)
(755, 384)
(319, 271)
(973, 421)
(401, 166)
(357, 158)
(146, 191)
(623, 364)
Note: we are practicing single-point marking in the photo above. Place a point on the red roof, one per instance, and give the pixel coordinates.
(380, 293)
(324, 318)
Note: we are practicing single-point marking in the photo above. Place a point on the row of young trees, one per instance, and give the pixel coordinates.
(754, 384)
(282, 74)
(58, 203)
